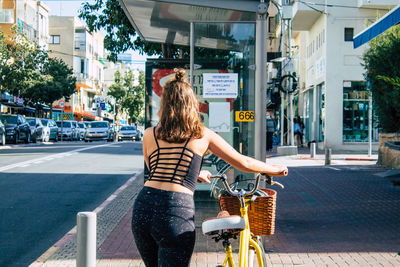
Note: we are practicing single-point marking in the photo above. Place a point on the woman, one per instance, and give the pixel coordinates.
(163, 213)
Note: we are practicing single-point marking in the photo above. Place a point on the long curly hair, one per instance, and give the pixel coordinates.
(179, 117)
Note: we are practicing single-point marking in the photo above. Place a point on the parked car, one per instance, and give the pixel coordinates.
(50, 130)
(97, 130)
(36, 129)
(76, 130)
(82, 130)
(66, 130)
(127, 133)
(2, 134)
(17, 128)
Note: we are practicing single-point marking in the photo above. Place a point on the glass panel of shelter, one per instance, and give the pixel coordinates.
(222, 90)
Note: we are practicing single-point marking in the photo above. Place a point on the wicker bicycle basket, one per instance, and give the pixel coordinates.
(261, 212)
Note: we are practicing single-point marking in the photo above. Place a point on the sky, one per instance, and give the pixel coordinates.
(70, 8)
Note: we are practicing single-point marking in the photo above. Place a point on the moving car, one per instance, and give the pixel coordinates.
(2, 134)
(97, 130)
(50, 130)
(36, 129)
(17, 128)
(128, 133)
(66, 130)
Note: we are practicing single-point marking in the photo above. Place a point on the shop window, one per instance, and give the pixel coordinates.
(355, 113)
(348, 34)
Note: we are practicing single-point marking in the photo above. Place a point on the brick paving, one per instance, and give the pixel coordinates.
(340, 216)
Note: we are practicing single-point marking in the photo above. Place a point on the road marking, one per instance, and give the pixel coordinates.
(333, 168)
(40, 160)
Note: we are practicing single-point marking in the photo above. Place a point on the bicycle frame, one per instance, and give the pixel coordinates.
(246, 240)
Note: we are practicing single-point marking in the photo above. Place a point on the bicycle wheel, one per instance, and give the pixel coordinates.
(254, 255)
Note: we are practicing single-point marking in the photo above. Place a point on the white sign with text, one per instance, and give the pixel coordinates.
(220, 85)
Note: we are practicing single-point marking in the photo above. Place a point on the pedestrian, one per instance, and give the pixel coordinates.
(298, 127)
(271, 128)
(163, 212)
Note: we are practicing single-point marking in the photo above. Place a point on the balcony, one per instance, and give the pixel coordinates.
(305, 15)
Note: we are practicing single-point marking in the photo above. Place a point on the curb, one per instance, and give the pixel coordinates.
(306, 158)
(349, 159)
(72, 233)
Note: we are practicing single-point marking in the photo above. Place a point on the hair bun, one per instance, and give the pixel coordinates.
(180, 75)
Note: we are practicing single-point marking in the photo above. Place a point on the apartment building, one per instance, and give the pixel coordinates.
(333, 100)
(83, 51)
(30, 15)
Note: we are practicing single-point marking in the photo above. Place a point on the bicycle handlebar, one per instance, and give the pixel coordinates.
(243, 192)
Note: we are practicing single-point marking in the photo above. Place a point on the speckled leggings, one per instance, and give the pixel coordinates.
(163, 227)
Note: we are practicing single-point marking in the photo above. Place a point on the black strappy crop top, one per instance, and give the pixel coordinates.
(179, 165)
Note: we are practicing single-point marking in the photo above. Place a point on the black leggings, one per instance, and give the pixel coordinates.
(163, 227)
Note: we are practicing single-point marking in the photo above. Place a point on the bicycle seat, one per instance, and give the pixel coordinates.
(224, 221)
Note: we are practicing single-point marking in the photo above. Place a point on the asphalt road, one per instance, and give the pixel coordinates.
(43, 187)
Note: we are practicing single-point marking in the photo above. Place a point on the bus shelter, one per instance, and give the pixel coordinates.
(232, 92)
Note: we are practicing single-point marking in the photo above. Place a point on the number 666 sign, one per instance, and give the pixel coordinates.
(244, 116)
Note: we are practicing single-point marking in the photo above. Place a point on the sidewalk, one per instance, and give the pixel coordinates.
(351, 219)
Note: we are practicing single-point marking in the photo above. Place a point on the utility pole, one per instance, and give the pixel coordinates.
(261, 81)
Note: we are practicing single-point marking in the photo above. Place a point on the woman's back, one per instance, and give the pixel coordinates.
(173, 166)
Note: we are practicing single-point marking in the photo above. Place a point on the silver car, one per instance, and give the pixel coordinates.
(82, 130)
(127, 133)
(97, 130)
(66, 130)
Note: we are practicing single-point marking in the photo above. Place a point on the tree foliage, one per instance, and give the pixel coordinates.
(129, 98)
(382, 62)
(21, 61)
(133, 103)
(108, 15)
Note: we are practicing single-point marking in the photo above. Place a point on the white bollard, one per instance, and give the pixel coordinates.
(312, 150)
(86, 239)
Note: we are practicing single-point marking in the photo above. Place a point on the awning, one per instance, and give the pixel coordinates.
(390, 19)
(168, 21)
(82, 85)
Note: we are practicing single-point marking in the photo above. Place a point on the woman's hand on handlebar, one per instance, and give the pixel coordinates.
(282, 170)
(204, 176)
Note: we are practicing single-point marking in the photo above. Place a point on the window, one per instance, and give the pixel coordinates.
(355, 113)
(348, 34)
(54, 39)
(271, 24)
(82, 65)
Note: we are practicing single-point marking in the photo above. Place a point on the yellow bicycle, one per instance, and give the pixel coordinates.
(226, 227)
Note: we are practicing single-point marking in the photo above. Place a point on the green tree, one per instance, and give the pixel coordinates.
(57, 81)
(128, 97)
(109, 16)
(117, 91)
(21, 61)
(382, 62)
(133, 103)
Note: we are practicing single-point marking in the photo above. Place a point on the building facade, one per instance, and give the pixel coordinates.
(333, 99)
(83, 51)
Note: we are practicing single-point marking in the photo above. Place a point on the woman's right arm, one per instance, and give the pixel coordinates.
(225, 151)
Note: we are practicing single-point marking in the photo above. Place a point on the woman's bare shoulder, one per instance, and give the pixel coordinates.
(148, 132)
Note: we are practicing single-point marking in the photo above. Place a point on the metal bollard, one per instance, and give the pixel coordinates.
(312, 150)
(86, 239)
(328, 154)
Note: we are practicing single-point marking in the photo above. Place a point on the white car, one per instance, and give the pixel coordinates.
(97, 130)
(81, 130)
